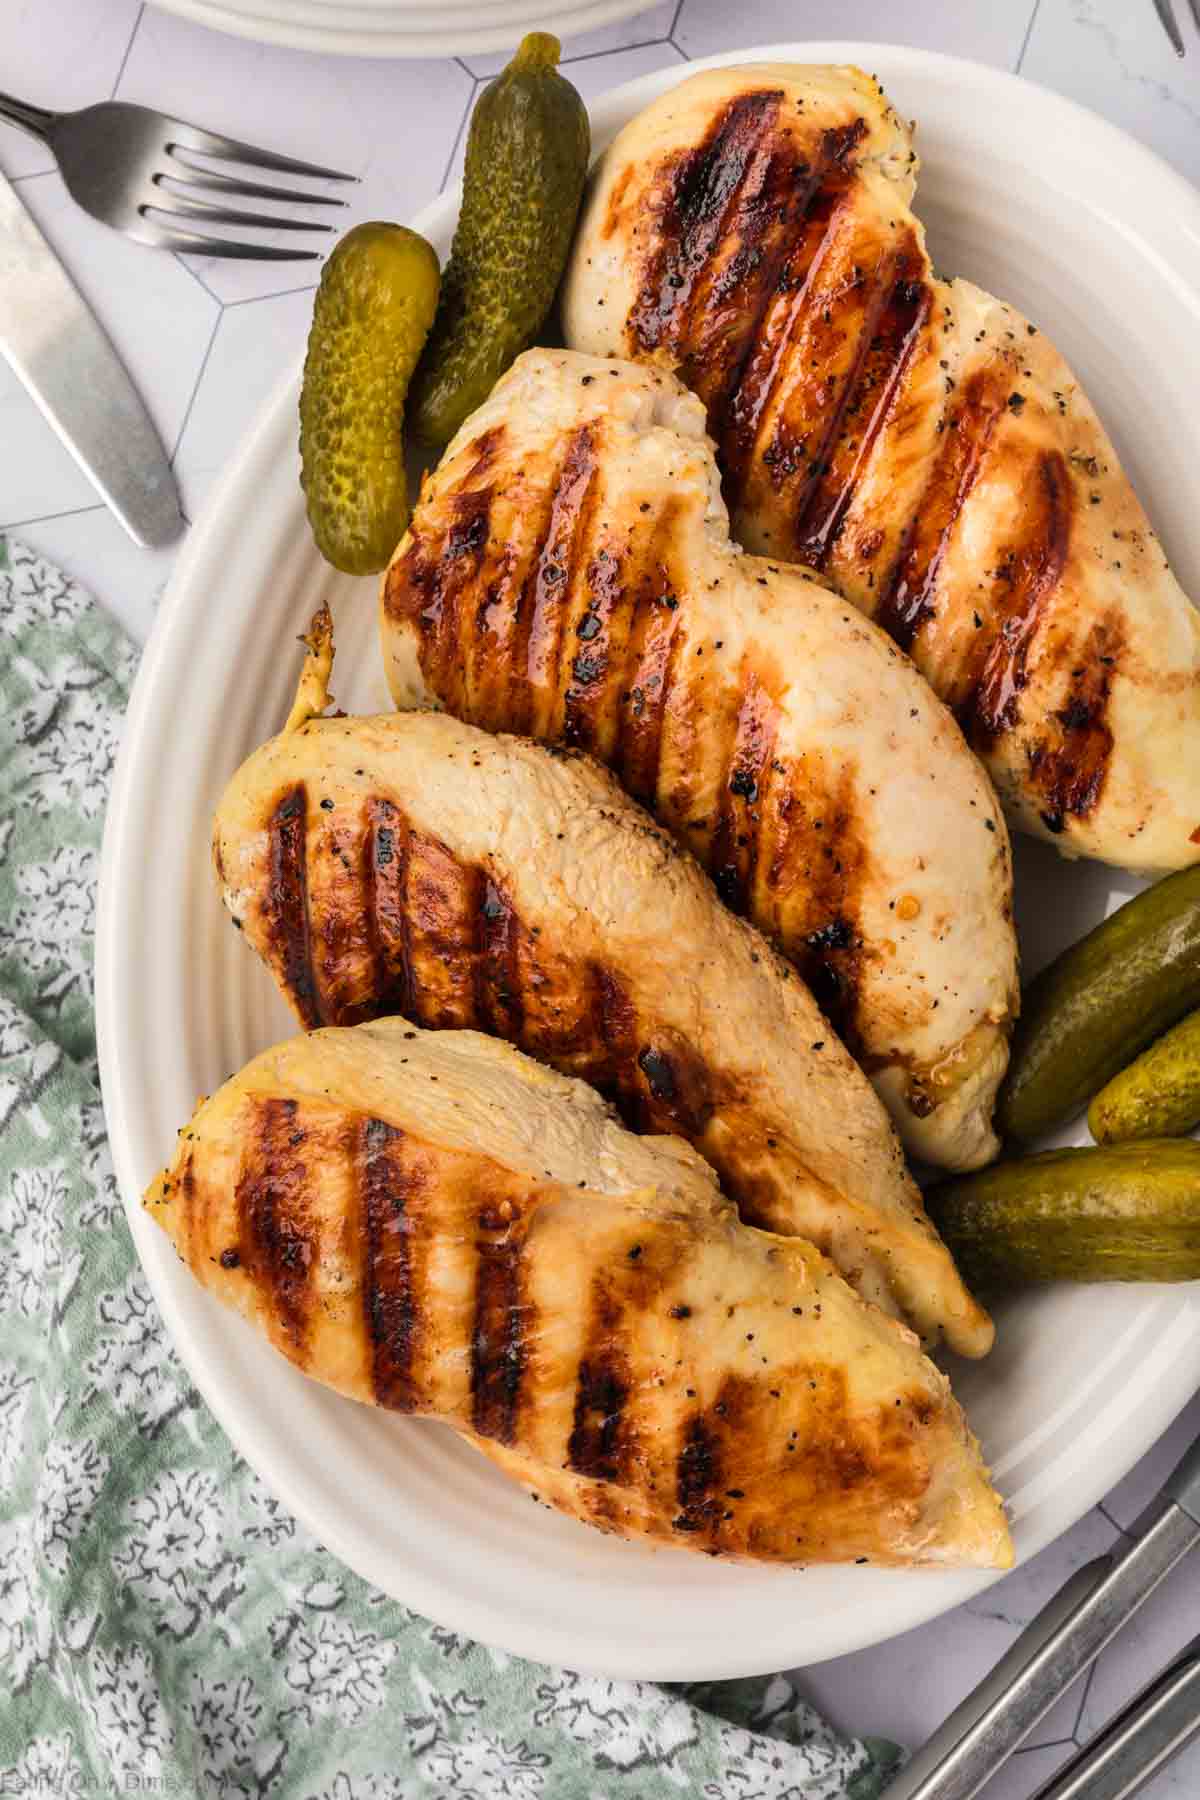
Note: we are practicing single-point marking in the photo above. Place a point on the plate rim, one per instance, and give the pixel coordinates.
(386, 41)
(481, 1620)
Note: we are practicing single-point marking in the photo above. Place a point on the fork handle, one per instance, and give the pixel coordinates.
(34, 119)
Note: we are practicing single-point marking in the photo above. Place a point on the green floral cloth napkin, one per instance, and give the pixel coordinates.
(165, 1626)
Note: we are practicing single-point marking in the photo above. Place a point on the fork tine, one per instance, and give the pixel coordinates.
(248, 190)
(211, 212)
(1167, 20)
(212, 143)
(1195, 6)
(195, 244)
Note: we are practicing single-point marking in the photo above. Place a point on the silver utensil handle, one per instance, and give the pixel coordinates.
(34, 119)
(1157, 1724)
(1060, 1644)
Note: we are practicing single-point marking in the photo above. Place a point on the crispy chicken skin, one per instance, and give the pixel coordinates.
(914, 440)
(434, 1223)
(568, 574)
(413, 864)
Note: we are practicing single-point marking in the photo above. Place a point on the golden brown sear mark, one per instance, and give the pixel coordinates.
(274, 1224)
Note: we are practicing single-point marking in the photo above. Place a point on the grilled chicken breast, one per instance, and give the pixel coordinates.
(568, 574)
(413, 864)
(914, 440)
(434, 1223)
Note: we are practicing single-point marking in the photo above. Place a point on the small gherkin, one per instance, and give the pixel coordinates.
(526, 163)
(376, 302)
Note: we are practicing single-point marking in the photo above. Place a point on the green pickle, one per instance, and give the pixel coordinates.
(526, 162)
(373, 310)
(1096, 1007)
(1156, 1096)
(1129, 1212)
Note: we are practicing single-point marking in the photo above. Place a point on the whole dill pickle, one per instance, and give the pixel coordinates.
(372, 314)
(527, 157)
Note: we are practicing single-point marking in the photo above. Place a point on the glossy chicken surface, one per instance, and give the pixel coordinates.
(568, 574)
(434, 1223)
(914, 440)
(414, 864)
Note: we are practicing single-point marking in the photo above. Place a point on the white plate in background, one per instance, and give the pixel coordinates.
(1099, 243)
(400, 27)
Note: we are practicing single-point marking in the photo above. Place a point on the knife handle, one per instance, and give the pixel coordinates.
(34, 119)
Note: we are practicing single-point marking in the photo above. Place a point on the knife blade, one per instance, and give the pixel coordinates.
(58, 349)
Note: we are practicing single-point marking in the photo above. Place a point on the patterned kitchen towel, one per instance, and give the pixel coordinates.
(165, 1627)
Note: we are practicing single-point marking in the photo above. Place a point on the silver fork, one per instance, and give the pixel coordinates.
(143, 173)
(1168, 22)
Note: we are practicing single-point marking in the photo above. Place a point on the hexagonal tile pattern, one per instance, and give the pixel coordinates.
(255, 346)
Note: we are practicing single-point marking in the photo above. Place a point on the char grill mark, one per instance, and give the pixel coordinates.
(444, 928)
(785, 312)
(907, 596)
(869, 402)
(594, 1447)
(545, 609)
(614, 1026)
(499, 1353)
(286, 903)
(193, 1226)
(734, 849)
(600, 643)
(812, 848)
(601, 1444)
(499, 1002)
(389, 1182)
(1023, 583)
(702, 196)
(427, 585)
(274, 1227)
(649, 660)
(831, 342)
(385, 873)
(698, 1478)
(1069, 767)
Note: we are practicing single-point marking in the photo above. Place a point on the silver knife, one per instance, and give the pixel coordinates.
(1063, 1641)
(58, 349)
(1143, 1738)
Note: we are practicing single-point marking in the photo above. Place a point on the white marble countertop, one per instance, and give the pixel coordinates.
(207, 340)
